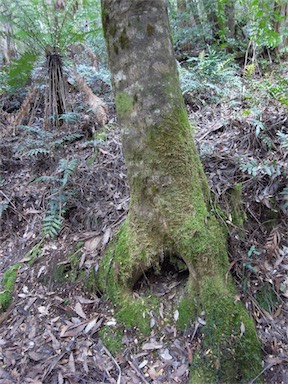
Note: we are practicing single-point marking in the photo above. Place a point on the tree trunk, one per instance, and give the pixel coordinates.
(7, 45)
(169, 211)
(281, 9)
(226, 20)
(230, 12)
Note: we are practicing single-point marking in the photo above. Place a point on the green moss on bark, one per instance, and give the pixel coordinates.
(187, 311)
(231, 350)
(124, 104)
(123, 40)
(237, 212)
(174, 200)
(150, 30)
(8, 282)
(136, 313)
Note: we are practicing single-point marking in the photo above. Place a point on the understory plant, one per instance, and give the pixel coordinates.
(211, 75)
(58, 197)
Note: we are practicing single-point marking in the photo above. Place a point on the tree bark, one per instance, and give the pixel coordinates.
(226, 20)
(169, 211)
(282, 9)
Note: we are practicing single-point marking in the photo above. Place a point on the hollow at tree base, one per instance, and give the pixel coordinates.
(231, 351)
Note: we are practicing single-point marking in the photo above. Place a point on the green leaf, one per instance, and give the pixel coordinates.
(20, 70)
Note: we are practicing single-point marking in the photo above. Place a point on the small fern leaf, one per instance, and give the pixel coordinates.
(37, 131)
(70, 117)
(283, 138)
(52, 225)
(68, 168)
(46, 178)
(3, 206)
(68, 139)
(36, 151)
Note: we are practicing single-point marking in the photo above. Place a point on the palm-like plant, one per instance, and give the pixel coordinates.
(44, 32)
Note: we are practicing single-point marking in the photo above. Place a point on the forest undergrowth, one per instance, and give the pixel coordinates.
(64, 194)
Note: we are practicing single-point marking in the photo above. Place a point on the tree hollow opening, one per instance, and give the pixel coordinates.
(168, 278)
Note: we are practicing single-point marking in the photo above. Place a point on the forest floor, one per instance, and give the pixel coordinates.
(59, 328)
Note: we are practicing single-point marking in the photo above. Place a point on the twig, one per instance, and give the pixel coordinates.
(195, 330)
(115, 362)
(121, 218)
(14, 207)
(139, 373)
(261, 373)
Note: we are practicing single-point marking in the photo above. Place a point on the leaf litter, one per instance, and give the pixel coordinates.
(51, 333)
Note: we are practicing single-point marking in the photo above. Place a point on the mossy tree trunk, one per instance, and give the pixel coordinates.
(169, 209)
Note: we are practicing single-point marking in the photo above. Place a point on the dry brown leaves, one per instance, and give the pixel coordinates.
(51, 332)
(228, 136)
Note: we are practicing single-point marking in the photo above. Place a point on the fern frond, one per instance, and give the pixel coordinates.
(46, 178)
(67, 139)
(36, 151)
(20, 70)
(284, 192)
(3, 206)
(52, 225)
(68, 168)
(251, 166)
(37, 131)
(283, 139)
(70, 117)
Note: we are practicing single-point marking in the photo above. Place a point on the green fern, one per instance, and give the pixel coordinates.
(250, 166)
(59, 195)
(41, 133)
(70, 117)
(67, 139)
(20, 70)
(36, 151)
(284, 193)
(283, 138)
(44, 142)
(4, 206)
(68, 168)
(210, 70)
(47, 178)
(52, 224)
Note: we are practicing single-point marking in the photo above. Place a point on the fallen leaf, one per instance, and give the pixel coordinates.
(106, 236)
(30, 302)
(41, 270)
(176, 315)
(78, 309)
(189, 353)
(73, 330)
(83, 300)
(35, 356)
(161, 310)
(71, 363)
(55, 343)
(43, 310)
(111, 322)
(278, 311)
(166, 355)
(82, 260)
(92, 244)
(180, 371)
(90, 325)
(242, 329)
(143, 364)
(237, 298)
(152, 346)
(201, 321)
